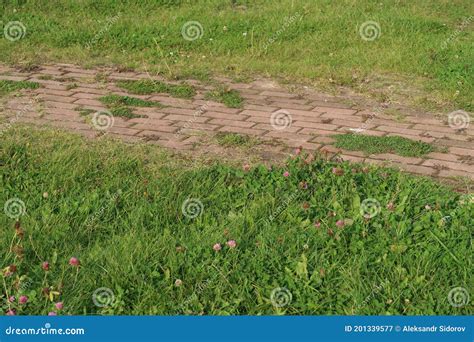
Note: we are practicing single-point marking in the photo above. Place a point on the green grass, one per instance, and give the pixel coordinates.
(7, 86)
(374, 145)
(119, 105)
(45, 77)
(84, 111)
(150, 87)
(423, 53)
(118, 100)
(231, 98)
(71, 86)
(118, 209)
(116, 110)
(235, 140)
(124, 112)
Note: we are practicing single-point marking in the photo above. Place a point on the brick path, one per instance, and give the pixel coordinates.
(304, 118)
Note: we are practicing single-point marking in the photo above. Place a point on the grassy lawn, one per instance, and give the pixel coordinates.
(422, 52)
(149, 87)
(7, 87)
(374, 144)
(231, 98)
(167, 237)
(98, 226)
(236, 140)
(120, 105)
(118, 100)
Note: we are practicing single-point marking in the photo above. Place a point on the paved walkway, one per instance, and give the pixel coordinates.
(303, 118)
